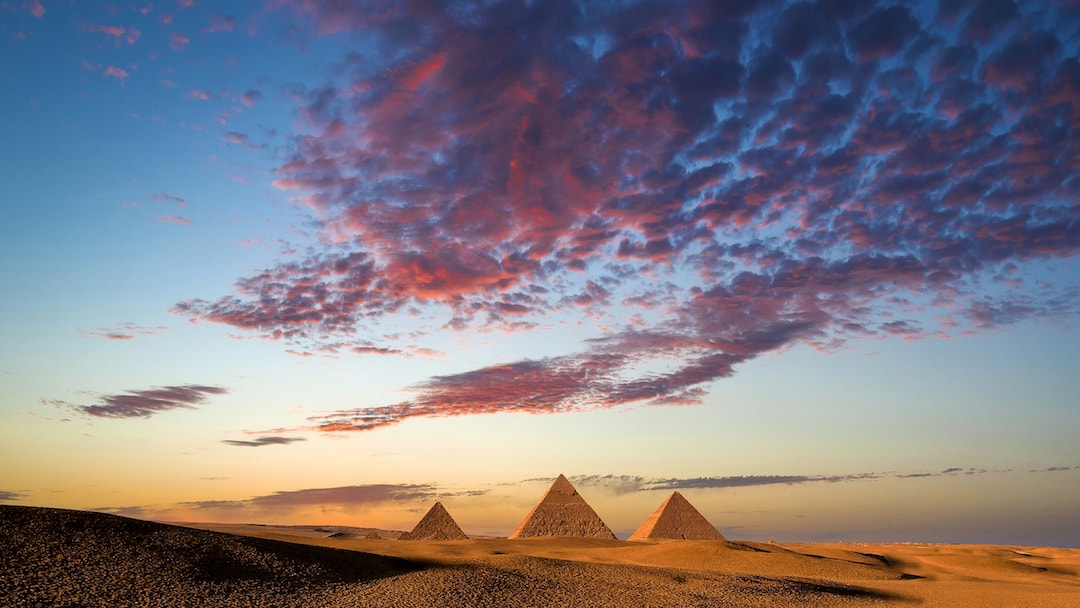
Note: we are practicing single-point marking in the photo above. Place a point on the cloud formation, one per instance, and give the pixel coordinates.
(161, 197)
(343, 495)
(710, 181)
(148, 402)
(6, 496)
(178, 41)
(35, 7)
(173, 219)
(123, 331)
(259, 442)
(621, 484)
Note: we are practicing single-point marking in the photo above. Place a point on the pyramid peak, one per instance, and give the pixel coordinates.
(562, 485)
(676, 519)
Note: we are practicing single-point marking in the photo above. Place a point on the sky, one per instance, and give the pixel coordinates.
(812, 264)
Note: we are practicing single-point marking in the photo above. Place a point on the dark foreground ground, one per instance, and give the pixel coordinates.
(76, 559)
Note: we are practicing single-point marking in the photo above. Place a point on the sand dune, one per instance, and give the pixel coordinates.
(60, 558)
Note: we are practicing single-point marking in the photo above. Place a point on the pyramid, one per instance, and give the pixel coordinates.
(676, 518)
(563, 512)
(436, 525)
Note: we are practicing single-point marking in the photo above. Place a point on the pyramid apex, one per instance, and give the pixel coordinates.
(562, 485)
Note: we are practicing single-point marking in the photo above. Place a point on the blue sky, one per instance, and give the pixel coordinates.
(813, 262)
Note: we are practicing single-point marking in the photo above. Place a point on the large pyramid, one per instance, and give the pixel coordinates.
(436, 525)
(563, 512)
(678, 519)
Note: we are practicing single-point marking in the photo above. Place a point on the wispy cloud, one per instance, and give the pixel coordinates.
(259, 442)
(6, 496)
(178, 41)
(221, 24)
(114, 72)
(290, 502)
(343, 495)
(621, 484)
(757, 175)
(146, 403)
(162, 197)
(173, 219)
(35, 7)
(235, 137)
(743, 481)
(123, 331)
(109, 71)
(250, 98)
(129, 34)
(1056, 469)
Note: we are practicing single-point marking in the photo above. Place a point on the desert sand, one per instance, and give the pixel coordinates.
(59, 558)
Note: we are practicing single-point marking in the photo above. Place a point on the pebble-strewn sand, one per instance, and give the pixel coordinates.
(75, 559)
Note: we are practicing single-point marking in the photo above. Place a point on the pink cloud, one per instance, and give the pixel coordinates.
(115, 72)
(178, 41)
(724, 204)
(233, 137)
(251, 98)
(173, 219)
(35, 7)
(115, 31)
(198, 94)
(123, 331)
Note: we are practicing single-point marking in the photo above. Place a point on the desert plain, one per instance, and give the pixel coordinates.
(62, 558)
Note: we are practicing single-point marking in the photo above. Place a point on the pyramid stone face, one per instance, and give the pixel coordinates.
(563, 512)
(676, 518)
(436, 525)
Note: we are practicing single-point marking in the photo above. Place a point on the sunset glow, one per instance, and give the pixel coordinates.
(811, 264)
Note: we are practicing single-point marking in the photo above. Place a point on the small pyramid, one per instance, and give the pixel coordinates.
(436, 525)
(676, 518)
(563, 512)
